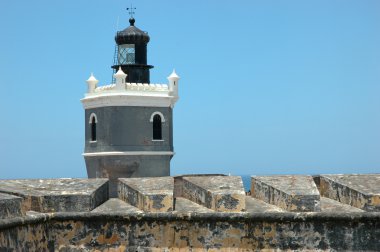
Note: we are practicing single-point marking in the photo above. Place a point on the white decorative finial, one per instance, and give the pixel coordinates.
(120, 77)
(173, 76)
(92, 82)
(173, 84)
(120, 74)
(92, 78)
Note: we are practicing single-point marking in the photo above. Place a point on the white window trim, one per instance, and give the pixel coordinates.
(158, 140)
(157, 113)
(93, 115)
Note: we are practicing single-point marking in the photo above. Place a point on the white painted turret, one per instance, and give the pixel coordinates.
(120, 79)
(91, 82)
(173, 83)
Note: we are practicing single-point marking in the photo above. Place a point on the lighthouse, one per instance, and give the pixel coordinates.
(129, 123)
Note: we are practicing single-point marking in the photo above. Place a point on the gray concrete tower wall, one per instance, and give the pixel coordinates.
(124, 128)
(124, 145)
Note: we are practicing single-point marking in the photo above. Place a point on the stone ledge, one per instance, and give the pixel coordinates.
(10, 206)
(192, 194)
(330, 205)
(358, 190)
(116, 206)
(219, 193)
(34, 217)
(295, 193)
(183, 205)
(148, 194)
(178, 181)
(258, 206)
(58, 195)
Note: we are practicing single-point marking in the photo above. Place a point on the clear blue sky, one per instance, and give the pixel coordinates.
(266, 87)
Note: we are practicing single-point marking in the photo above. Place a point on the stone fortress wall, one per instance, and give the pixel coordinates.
(192, 213)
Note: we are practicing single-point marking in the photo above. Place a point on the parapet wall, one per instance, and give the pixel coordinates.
(205, 231)
(204, 213)
(134, 87)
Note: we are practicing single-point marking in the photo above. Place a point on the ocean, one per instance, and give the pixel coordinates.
(246, 182)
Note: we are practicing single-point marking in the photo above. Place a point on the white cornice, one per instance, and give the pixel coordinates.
(140, 99)
(131, 94)
(129, 153)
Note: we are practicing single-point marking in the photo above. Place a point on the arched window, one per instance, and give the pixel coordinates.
(93, 121)
(157, 127)
(93, 129)
(157, 118)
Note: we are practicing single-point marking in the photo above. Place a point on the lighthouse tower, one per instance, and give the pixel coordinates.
(129, 123)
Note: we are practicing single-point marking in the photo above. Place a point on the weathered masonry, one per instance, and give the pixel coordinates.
(192, 213)
(129, 123)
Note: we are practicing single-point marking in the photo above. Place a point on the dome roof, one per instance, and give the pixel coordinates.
(131, 35)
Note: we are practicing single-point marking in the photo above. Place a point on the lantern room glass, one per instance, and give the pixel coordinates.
(126, 54)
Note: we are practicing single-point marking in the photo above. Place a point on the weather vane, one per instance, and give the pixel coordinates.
(131, 10)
